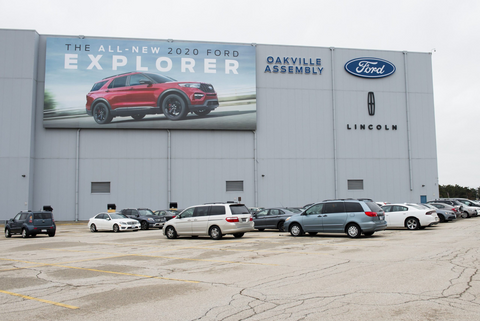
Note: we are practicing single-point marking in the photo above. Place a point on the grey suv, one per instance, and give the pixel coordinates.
(349, 216)
(30, 223)
(145, 216)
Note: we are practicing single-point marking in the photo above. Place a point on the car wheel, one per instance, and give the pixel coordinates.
(280, 226)
(24, 233)
(202, 112)
(51, 234)
(467, 215)
(238, 235)
(368, 233)
(138, 116)
(102, 114)
(353, 230)
(115, 228)
(93, 228)
(441, 217)
(144, 225)
(296, 230)
(312, 233)
(412, 223)
(8, 233)
(215, 233)
(261, 229)
(174, 107)
(170, 232)
(464, 215)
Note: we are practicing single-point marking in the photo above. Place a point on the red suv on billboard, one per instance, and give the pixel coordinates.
(136, 94)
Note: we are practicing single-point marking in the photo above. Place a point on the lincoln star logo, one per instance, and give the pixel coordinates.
(370, 67)
(371, 103)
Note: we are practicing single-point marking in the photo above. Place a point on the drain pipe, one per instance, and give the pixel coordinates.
(334, 107)
(255, 170)
(169, 160)
(77, 176)
(407, 108)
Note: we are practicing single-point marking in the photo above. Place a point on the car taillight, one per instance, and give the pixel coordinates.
(430, 213)
(371, 214)
(251, 218)
(30, 218)
(232, 219)
(174, 216)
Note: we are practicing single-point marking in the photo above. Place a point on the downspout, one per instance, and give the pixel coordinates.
(335, 173)
(169, 176)
(77, 176)
(407, 105)
(255, 170)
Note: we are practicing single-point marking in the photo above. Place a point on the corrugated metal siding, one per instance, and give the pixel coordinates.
(295, 146)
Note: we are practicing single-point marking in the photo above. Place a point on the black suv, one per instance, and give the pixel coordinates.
(31, 223)
(145, 216)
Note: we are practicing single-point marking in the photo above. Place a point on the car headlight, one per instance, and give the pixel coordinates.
(190, 85)
(150, 219)
(123, 223)
(288, 218)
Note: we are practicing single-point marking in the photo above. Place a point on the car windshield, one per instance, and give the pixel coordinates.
(373, 206)
(145, 212)
(117, 216)
(159, 79)
(239, 209)
(418, 207)
(294, 209)
(42, 216)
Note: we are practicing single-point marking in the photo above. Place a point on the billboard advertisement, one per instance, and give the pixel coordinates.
(149, 84)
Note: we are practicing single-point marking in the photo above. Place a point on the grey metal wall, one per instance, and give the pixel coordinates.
(18, 84)
(301, 151)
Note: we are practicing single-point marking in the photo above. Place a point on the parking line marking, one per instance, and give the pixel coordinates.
(40, 300)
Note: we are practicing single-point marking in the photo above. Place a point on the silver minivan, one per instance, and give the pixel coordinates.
(214, 220)
(350, 216)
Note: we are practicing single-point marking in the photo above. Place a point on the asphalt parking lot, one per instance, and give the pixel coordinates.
(429, 274)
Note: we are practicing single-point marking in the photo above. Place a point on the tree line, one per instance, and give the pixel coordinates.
(448, 191)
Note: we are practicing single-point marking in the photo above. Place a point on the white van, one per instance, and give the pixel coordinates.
(215, 220)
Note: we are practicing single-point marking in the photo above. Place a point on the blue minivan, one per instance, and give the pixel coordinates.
(350, 216)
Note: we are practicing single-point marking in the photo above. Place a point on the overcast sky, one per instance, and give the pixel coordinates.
(448, 29)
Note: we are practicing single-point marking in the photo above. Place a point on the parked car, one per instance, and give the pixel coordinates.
(467, 211)
(166, 215)
(31, 223)
(444, 214)
(272, 218)
(470, 204)
(137, 94)
(411, 216)
(145, 216)
(448, 207)
(112, 222)
(254, 210)
(214, 220)
(353, 217)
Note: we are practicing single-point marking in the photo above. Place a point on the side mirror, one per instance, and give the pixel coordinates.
(145, 82)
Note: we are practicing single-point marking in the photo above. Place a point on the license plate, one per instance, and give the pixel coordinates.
(44, 231)
(244, 219)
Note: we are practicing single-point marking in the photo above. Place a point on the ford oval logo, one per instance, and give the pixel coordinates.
(370, 67)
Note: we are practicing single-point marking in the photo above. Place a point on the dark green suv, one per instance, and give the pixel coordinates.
(31, 223)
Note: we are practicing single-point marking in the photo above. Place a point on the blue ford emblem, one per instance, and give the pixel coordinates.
(370, 67)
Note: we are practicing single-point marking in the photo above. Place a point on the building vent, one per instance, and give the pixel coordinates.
(100, 188)
(355, 184)
(234, 186)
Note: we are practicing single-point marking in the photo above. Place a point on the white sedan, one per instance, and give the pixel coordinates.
(411, 216)
(112, 222)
